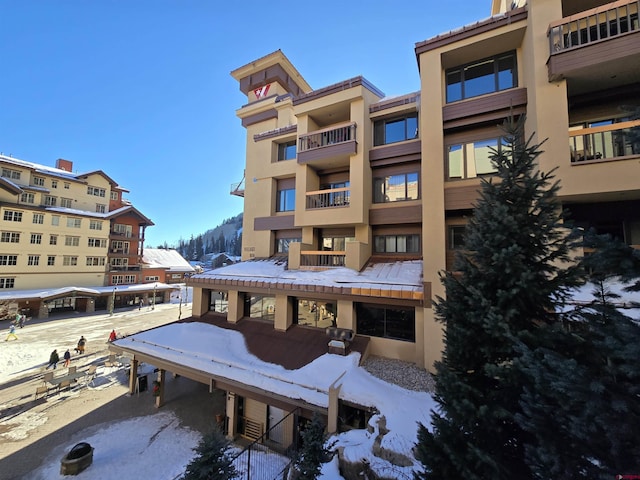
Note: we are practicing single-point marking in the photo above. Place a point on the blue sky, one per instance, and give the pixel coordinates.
(142, 89)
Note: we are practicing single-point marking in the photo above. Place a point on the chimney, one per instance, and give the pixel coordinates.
(66, 165)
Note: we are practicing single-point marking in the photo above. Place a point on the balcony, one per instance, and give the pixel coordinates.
(328, 147)
(120, 235)
(237, 189)
(119, 251)
(616, 141)
(606, 37)
(330, 198)
(321, 260)
(124, 268)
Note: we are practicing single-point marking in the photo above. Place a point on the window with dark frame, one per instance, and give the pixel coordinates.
(488, 75)
(395, 323)
(396, 188)
(396, 243)
(287, 151)
(396, 129)
(286, 200)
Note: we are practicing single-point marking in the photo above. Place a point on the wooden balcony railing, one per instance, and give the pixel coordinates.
(336, 197)
(311, 259)
(605, 142)
(327, 136)
(606, 21)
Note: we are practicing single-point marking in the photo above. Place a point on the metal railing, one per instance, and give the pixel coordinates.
(336, 197)
(237, 189)
(322, 259)
(605, 142)
(270, 455)
(606, 21)
(328, 136)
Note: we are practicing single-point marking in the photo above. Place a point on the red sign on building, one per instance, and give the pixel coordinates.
(261, 92)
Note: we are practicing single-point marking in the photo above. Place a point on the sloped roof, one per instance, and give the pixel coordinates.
(166, 258)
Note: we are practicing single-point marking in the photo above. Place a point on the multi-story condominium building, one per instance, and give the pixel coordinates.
(354, 203)
(60, 229)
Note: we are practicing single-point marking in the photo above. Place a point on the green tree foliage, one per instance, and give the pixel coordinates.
(313, 452)
(582, 404)
(505, 293)
(212, 461)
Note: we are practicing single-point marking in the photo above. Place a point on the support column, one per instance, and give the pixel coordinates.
(133, 376)
(235, 309)
(160, 396)
(232, 413)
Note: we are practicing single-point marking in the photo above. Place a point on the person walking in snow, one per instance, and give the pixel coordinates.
(54, 358)
(67, 358)
(12, 333)
(81, 343)
(112, 336)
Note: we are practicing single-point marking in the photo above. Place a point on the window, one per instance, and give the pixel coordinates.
(386, 322)
(101, 208)
(96, 261)
(12, 174)
(152, 279)
(486, 76)
(51, 260)
(39, 181)
(456, 236)
(50, 201)
(33, 260)
(315, 313)
(396, 243)
(118, 246)
(38, 218)
(287, 151)
(54, 184)
(36, 238)
(95, 225)
(74, 222)
(98, 192)
(66, 185)
(97, 242)
(10, 237)
(53, 239)
(119, 262)
(259, 306)
(8, 259)
(69, 261)
(176, 276)
(7, 282)
(27, 198)
(12, 216)
(71, 241)
(282, 245)
(286, 200)
(117, 279)
(396, 188)
(472, 159)
(113, 195)
(122, 229)
(55, 220)
(129, 279)
(396, 129)
(66, 202)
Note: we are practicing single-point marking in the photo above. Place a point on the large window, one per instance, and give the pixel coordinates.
(27, 198)
(33, 260)
(69, 260)
(287, 151)
(10, 237)
(286, 200)
(7, 282)
(66, 202)
(396, 243)
(315, 313)
(8, 259)
(12, 216)
(259, 306)
(8, 173)
(36, 238)
(479, 78)
(50, 201)
(38, 218)
(98, 242)
(96, 191)
(219, 302)
(397, 323)
(468, 160)
(396, 129)
(396, 188)
(96, 261)
(95, 225)
(70, 241)
(282, 244)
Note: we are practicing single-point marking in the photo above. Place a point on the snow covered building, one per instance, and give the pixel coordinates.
(164, 265)
(62, 229)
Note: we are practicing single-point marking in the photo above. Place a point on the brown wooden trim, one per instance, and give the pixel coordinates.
(566, 63)
(290, 233)
(394, 215)
(410, 98)
(338, 232)
(401, 149)
(397, 230)
(344, 148)
(472, 135)
(260, 117)
(395, 169)
(275, 133)
(338, 87)
(426, 287)
(274, 73)
(274, 223)
(461, 197)
(504, 100)
(286, 183)
(493, 23)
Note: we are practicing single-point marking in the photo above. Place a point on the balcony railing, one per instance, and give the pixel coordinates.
(329, 136)
(605, 142)
(312, 260)
(122, 234)
(606, 21)
(124, 268)
(336, 197)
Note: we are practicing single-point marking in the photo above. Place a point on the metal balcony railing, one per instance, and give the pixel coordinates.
(327, 136)
(605, 142)
(606, 21)
(336, 197)
(311, 259)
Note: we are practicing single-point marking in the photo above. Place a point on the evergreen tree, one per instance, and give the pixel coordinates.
(313, 452)
(222, 244)
(506, 291)
(582, 403)
(212, 461)
(199, 248)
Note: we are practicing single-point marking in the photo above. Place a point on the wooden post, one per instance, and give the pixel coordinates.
(160, 397)
(133, 376)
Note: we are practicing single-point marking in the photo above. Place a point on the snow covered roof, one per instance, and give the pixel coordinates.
(400, 279)
(44, 293)
(166, 258)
